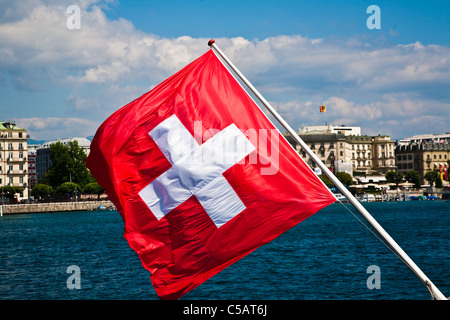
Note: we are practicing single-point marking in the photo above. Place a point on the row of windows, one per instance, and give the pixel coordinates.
(11, 167)
(11, 180)
(362, 147)
(11, 146)
(405, 157)
(410, 166)
(358, 164)
(10, 135)
(434, 157)
(322, 154)
(11, 155)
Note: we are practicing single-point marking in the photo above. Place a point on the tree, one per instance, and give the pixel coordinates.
(345, 178)
(438, 181)
(394, 177)
(68, 165)
(327, 181)
(68, 188)
(93, 188)
(42, 191)
(413, 177)
(9, 192)
(431, 177)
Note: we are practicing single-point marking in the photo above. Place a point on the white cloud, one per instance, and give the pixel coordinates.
(56, 127)
(107, 63)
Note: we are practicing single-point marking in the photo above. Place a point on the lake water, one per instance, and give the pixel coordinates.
(323, 258)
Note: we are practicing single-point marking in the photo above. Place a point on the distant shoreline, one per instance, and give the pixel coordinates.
(9, 209)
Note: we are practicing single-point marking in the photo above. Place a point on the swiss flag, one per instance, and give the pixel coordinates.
(200, 176)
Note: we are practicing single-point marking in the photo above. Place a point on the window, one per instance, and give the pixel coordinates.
(10, 147)
(20, 146)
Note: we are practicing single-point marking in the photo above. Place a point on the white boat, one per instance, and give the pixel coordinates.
(340, 197)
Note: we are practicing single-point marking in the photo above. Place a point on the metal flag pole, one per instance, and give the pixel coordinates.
(392, 244)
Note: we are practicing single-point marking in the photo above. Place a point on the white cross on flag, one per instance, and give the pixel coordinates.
(200, 176)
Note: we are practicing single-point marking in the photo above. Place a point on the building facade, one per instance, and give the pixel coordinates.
(341, 150)
(32, 181)
(423, 153)
(43, 159)
(13, 158)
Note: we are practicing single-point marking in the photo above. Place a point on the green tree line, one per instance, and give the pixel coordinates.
(68, 175)
(433, 177)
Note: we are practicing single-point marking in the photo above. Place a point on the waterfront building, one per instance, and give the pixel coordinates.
(423, 153)
(43, 159)
(343, 148)
(32, 150)
(329, 129)
(13, 158)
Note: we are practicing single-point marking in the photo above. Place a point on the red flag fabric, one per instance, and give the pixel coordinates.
(200, 176)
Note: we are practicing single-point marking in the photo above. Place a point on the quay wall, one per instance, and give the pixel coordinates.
(55, 207)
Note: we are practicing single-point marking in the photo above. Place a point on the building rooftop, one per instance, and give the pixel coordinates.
(328, 128)
(426, 138)
(82, 142)
(9, 125)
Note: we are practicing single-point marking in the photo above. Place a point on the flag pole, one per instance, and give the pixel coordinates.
(392, 244)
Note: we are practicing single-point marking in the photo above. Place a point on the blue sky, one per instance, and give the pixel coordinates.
(411, 21)
(59, 83)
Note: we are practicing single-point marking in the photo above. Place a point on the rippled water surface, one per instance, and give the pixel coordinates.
(324, 257)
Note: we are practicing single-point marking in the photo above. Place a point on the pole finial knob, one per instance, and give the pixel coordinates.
(210, 42)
